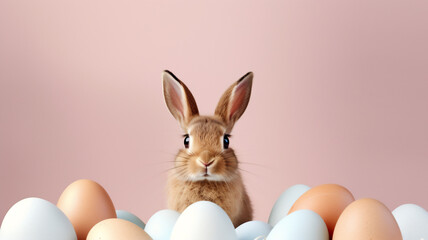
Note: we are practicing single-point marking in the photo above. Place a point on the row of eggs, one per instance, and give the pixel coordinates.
(329, 211)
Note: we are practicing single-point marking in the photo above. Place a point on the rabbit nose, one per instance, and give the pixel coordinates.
(205, 159)
(208, 164)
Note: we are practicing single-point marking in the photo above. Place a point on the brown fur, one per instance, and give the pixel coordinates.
(225, 194)
(222, 182)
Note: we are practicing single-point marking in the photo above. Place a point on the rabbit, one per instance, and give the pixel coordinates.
(207, 168)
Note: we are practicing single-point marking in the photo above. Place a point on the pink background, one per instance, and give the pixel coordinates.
(340, 95)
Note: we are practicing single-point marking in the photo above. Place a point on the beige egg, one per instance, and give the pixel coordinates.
(86, 203)
(366, 219)
(116, 229)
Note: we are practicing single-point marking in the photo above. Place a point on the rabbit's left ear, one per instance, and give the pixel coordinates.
(179, 99)
(235, 100)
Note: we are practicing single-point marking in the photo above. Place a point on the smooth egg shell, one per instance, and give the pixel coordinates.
(412, 221)
(282, 206)
(86, 203)
(367, 219)
(160, 225)
(253, 229)
(130, 217)
(116, 229)
(36, 219)
(203, 220)
(300, 225)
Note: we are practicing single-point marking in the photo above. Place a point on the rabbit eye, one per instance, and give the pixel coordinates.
(186, 141)
(226, 141)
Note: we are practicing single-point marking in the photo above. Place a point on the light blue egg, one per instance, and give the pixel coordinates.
(130, 217)
(302, 225)
(253, 229)
(36, 219)
(285, 202)
(160, 225)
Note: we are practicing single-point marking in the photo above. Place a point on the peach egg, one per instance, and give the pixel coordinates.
(86, 203)
(367, 219)
(328, 200)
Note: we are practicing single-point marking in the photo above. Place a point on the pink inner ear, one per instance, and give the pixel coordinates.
(176, 98)
(238, 98)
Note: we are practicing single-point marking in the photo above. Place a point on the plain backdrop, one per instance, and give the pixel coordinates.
(340, 95)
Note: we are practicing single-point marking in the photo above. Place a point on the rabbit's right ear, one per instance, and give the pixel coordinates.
(234, 101)
(179, 99)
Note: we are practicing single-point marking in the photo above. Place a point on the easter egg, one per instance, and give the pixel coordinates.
(203, 220)
(285, 201)
(301, 225)
(160, 225)
(412, 221)
(115, 228)
(328, 200)
(36, 219)
(253, 229)
(367, 219)
(86, 203)
(130, 217)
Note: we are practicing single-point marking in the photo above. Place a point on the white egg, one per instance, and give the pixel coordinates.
(285, 201)
(36, 219)
(160, 225)
(413, 221)
(130, 217)
(253, 229)
(203, 220)
(303, 225)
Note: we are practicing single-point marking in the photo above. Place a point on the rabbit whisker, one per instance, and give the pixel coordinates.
(249, 172)
(250, 163)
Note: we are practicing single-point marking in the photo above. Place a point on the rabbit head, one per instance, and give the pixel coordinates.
(206, 154)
